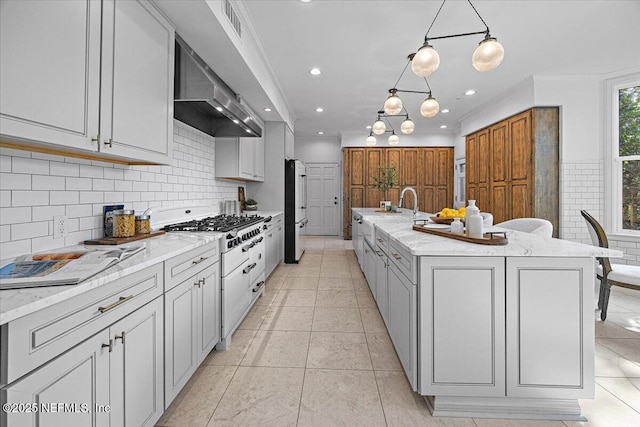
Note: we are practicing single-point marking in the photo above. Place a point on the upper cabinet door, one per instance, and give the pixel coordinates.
(259, 159)
(246, 159)
(50, 72)
(136, 111)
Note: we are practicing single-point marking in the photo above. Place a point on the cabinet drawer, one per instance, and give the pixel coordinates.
(382, 241)
(403, 259)
(37, 338)
(180, 268)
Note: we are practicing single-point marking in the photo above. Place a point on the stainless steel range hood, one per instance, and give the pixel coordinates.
(202, 100)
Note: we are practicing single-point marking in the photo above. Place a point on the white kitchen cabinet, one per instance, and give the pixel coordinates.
(403, 321)
(382, 295)
(289, 142)
(462, 338)
(107, 88)
(192, 327)
(369, 267)
(544, 295)
(115, 378)
(274, 237)
(240, 158)
(356, 233)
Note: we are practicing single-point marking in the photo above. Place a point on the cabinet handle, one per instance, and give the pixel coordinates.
(379, 240)
(96, 140)
(120, 337)
(246, 248)
(366, 251)
(198, 261)
(249, 268)
(379, 253)
(199, 282)
(109, 142)
(259, 256)
(396, 256)
(121, 300)
(110, 345)
(257, 288)
(270, 235)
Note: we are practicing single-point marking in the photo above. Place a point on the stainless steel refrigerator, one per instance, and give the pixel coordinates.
(295, 205)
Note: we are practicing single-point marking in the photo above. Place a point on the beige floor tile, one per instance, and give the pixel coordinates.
(606, 411)
(300, 271)
(335, 283)
(365, 299)
(300, 283)
(240, 342)
(312, 250)
(485, 422)
(274, 282)
(372, 321)
(383, 355)
(195, 404)
(295, 298)
(288, 319)
(338, 350)
(311, 260)
(267, 297)
(626, 320)
(625, 389)
(402, 407)
(284, 349)
(334, 251)
(255, 317)
(260, 397)
(335, 271)
(627, 348)
(609, 329)
(611, 364)
(355, 271)
(340, 398)
(281, 270)
(627, 302)
(336, 299)
(337, 320)
(340, 258)
(359, 283)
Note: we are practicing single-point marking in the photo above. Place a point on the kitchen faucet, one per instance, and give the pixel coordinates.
(415, 199)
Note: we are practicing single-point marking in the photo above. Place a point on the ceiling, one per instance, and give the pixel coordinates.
(361, 46)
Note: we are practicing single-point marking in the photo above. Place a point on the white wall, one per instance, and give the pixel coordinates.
(35, 187)
(440, 139)
(321, 149)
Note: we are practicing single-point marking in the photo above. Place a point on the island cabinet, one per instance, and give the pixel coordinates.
(274, 237)
(369, 266)
(240, 159)
(512, 167)
(382, 264)
(106, 91)
(113, 377)
(192, 314)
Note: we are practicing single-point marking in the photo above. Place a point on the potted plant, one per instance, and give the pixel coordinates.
(252, 205)
(384, 181)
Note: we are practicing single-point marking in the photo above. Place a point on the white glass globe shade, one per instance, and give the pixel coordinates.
(378, 127)
(393, 139)
(429, 108)
(488, 55)
(371, 141)
(426, 61)
(393, 105)
(407, 126)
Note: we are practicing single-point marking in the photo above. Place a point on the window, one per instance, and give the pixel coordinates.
(626, 157)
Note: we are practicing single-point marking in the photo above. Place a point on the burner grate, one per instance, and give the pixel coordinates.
(221, 223)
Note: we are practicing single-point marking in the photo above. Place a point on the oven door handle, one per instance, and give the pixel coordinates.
(258, 241)
(247, 247)
(250, 267)
(257, 288)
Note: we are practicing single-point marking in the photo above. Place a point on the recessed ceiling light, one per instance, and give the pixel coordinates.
(247, 130)
(443, 127)
(321, 133)
(319, 110)
(315, 71)
(219, 108)
(267, 109)
(445, 111)
(470, 92)
(368, 127)
(305, 1)
(235, 121)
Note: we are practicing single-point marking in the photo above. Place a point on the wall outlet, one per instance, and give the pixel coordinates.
(60, 226)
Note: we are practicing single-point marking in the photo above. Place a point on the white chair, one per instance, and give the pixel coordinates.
(538, 226)
(487, 219)
(626, 276)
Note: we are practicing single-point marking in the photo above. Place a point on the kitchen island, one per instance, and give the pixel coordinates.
(485, 331)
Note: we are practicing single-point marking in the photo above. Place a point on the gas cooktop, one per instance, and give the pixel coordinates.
(220, 223)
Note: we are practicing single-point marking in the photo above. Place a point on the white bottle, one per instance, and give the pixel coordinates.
(475, 226)
(457, 227)
(470, 210)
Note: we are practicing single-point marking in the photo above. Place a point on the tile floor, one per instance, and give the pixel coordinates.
(304, 356)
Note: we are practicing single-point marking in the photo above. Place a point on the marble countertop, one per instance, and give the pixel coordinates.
(399, 229)
(15, 303)
(263, 213)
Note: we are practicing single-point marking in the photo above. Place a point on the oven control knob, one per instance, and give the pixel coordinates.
(230, 244)
(244, 237)
(238, 240)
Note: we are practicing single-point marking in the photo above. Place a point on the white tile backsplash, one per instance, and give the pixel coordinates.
(36, 187)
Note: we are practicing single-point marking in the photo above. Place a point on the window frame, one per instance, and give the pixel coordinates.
(613, 160)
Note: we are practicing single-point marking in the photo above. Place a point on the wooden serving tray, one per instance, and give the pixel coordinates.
(488, 239)
(121, 240)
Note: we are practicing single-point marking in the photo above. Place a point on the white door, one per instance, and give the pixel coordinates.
(323, 199)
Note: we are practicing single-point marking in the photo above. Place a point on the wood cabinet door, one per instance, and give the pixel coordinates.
(136, 111)
(137, 367)
(353, 176)
(374, 161)
(50, 72)
(411, 163)
(483, 160)
(499, 152)
(521, 161)
(81, 376)
(394, 159)
(500, 202)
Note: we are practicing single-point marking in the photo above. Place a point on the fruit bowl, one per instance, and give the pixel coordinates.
(439, 220)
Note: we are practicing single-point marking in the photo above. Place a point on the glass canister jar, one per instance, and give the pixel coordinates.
(124, 224)
(143, 224)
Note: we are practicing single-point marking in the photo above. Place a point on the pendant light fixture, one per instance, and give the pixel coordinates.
(487, 56)
(393, 104)
(393, 139)
(429, 107)
(407, 126)
(378, 127)
(371, 140)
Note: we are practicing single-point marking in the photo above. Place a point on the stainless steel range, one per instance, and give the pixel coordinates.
(242, 252)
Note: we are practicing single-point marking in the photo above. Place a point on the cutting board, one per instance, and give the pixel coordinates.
(121, 240)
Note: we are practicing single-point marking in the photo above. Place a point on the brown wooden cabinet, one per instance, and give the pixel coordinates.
(427, 169)
(512, 166)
